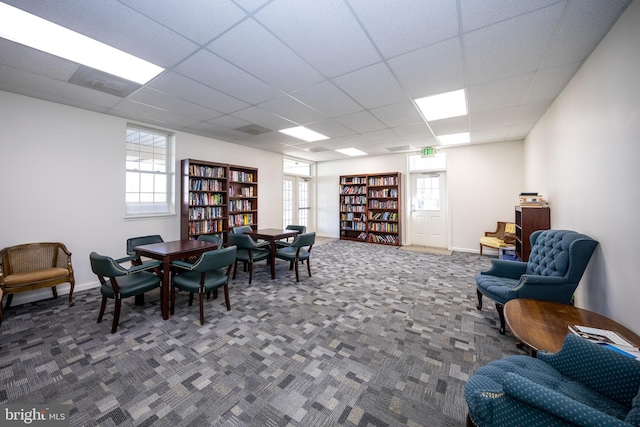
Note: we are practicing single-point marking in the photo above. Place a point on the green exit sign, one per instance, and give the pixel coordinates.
(427, 151)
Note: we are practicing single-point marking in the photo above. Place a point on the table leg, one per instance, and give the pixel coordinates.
(164, 291)
(273, 259)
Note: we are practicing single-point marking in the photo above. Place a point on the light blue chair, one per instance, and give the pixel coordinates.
(584, 384)
(556, 264)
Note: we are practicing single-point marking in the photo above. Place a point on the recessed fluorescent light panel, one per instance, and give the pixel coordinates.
(30, 30)
(304, 134)
(351, 152)
(454, 138)
(443, 106)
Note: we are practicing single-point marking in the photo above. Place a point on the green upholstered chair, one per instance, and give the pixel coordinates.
(583, 384)
(298, 251)
(139, 241)
(119, 282)
(212, 238)
(301, 229)
(208, 273)
(556, 264)
(248, 252)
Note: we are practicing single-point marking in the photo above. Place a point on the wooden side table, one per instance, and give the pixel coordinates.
(543, 325)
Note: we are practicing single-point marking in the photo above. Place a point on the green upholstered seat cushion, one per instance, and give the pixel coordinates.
(256, 254)
(289, 253)
(190, 280)
(133, 284)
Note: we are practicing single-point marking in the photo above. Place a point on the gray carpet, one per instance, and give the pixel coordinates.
(377, 337)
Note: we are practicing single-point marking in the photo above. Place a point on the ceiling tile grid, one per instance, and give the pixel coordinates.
(349, 69)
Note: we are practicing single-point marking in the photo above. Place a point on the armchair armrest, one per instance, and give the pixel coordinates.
(126, 259)
(532, 279)
(183, 264)
(506, 269)
(147, 266)
(556, 404)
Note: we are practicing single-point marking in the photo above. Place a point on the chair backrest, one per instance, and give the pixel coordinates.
(104, 266)
(301, 229)
(213, 238)
(214, 260)
(241, 229)
(303, 240)
(242, 241)
(142, 240)
(560, 253)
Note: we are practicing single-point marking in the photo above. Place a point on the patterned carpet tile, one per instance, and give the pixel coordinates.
(376, 337)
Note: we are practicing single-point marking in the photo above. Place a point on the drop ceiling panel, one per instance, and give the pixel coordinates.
(229, 122)
(263, 118)
(185, 88)
(363, 121)
(157, 115)
(511, 47)
(531, 112)
(398, 27)
(328, 99)
(401, 114)
(199, 24)
(358, 86)
(520, 131)
(211, 70)
(431, 70)
(477, 14)
(252, 48)
(291, 109)
(383, 136)
(324, 33)
(173, 105)
(34, 61)
(499, 94)
(490, 135)
(418, 131)
(330, 128)
(548, 83)
(450, 126)
(492, 119)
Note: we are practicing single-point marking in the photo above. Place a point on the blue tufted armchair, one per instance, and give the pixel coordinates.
(584, 384)
(556, 264)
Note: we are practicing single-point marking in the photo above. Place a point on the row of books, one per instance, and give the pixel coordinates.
(387, 180)
(387, 192)
(202, 199)
(388, 204)
(240, 176)
(206, 227)
(387, 227)
(353, 190)
(379, 238)
(207, 212)
(240, 205)
(384, 216)
(207, 171)
(352, 217)
(241, 219)
(352, 208)
(354, 200)
(206, 185)
(352, 225)
(353, 180)
(241, 191)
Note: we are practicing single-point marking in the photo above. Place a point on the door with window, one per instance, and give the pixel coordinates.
(428, 209)
(297, 201)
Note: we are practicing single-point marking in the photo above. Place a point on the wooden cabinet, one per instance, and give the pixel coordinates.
(370, 208)
(215, 197)
(528, 220)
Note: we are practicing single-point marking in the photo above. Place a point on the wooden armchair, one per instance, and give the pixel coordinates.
(33, 266)
(503, 236)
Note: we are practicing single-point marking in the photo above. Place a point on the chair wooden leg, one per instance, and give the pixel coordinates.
(55, 292)
(8, 304)
(116, 315)
(235, 268)
(190, 298)
(309, 266)
(201, 306)
(103, 306)
(139, 300)
(250, 271)
(72, 284)
(297, 277)
(226, 296)
(500, 309)
(479, 305)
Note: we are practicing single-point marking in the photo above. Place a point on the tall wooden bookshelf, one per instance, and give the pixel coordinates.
(528, 220)
(370, 208)
(214, 196)
(243, 196)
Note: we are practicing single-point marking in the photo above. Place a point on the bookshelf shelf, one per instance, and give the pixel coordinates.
(215, 197)
(370, 208)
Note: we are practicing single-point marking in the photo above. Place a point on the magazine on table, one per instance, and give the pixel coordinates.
(609, 339)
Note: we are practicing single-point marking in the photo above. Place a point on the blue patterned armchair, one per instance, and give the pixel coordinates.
(584, 384)
(556, 264)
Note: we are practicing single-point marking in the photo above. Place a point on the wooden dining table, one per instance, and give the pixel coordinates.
(166, 252)
(272, 235)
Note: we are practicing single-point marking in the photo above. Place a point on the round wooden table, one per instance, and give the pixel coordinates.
(543, 325)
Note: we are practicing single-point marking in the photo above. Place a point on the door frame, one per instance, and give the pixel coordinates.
(409, 205)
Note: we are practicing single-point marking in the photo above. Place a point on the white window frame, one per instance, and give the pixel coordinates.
(152, 168)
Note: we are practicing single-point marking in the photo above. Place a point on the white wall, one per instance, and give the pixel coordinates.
(483, 183)
(62, 174)
(583, 155)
